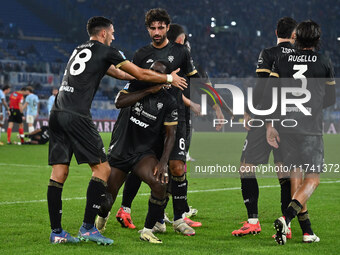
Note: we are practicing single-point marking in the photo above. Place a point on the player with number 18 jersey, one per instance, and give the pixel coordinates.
(71, 110)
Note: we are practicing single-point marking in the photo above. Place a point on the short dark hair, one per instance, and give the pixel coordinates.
(174, 31)
(5, 87)
(29, 88)
(308, 35)
(285, 27)
(157, 14)
(95, 24)
(23, 89)
(164, 63)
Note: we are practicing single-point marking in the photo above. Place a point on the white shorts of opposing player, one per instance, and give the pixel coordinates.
(30, 120)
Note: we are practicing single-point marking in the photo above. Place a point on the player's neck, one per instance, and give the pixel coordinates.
(282, 40)
(96, 38)
(162, 45)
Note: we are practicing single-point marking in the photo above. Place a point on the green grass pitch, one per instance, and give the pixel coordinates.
(24, 221)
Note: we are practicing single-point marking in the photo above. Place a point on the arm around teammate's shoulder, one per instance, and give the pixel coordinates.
(151, 76)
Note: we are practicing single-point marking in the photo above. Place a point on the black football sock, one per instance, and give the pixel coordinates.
(285, 193)
(54, 202)
(179, 189)
(305, 223)
(293, 209)
(106, 205)
(94, 198)
(250, 193)
(161, 219)
(131, 187)
(155, 212)
(186, 209)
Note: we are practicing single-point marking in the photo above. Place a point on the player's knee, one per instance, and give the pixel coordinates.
(177, 169)
(158, 189)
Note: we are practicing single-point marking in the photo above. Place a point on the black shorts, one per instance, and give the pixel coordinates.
(178, 152)
(127, 165)
(256, 150)
(303, 151)
(16, 116)
(70, 133)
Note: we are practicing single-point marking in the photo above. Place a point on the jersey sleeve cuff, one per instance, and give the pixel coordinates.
(274, 74)
(124, 91)
(330, 82)
(122, 63)
(191, 73)
(173, 123)
(263, 70)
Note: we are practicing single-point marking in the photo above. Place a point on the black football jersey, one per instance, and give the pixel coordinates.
(308, 70)
(269, 55)
(140, 128)
(177, 56)
(84, 71)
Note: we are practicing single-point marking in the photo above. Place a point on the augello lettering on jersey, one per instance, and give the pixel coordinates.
(302, 58)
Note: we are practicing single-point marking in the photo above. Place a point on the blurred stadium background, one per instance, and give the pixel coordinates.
(37, 37)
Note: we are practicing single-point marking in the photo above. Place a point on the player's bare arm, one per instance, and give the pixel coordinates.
(119, 74)
(161, 169)
(196, 108)
(151, 76)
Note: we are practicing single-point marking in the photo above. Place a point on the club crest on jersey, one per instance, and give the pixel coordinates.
(149, 60)
(138, 108)
(159, 105)
(171, 58)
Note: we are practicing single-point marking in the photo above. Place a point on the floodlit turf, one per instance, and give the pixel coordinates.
(25, 224)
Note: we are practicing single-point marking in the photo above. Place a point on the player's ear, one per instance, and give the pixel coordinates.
(167, 27)
(293, 35)
(276, 32)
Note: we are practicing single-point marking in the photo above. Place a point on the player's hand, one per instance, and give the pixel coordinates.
(219, 115)
(155, 89)
(161, 172)
(196, 108)
(9, 113)
(178, 81)
(273, 137)
(246, 118)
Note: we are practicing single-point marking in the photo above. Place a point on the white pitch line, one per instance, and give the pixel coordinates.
(146, 194)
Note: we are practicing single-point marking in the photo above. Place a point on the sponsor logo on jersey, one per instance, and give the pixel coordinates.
(148, 115)
(66, 88)
(171, 58)
(149, 60)
(138, 122)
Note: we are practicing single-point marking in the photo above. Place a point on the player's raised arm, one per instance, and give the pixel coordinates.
(119, 74)
(151, 76)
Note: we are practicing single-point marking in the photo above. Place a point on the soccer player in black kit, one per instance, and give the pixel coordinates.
(256, 149)
(141, 142)
(38, 136)
(312, 76)
(73, 132)
(157, 22)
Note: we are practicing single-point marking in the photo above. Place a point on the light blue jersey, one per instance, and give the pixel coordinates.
(32, 101)
(50, 103)
(2, 96)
